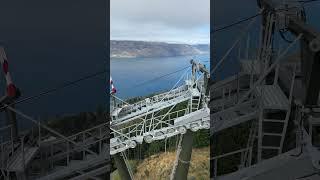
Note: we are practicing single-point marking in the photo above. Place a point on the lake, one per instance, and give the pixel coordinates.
(129, 73)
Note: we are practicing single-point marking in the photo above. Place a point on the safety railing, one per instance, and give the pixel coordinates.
(227, 92)
(127, 108)
(7, 145)
(216, 159)
(153, 123)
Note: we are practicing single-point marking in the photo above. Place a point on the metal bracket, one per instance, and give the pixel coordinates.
(314, 45)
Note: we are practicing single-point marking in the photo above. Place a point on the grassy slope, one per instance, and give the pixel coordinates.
(159, 166)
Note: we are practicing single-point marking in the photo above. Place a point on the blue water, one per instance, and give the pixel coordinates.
(129, 73)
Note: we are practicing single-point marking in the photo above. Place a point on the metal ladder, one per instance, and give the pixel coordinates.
(273, 119)
(195, 103)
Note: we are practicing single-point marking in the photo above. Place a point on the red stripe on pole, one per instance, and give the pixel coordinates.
(11, 90)
(5, 66)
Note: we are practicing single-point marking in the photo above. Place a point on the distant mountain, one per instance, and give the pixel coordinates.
(133, 49)
(202, 47)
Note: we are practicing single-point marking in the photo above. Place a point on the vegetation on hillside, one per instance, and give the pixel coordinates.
(72, 124)
(230, 140)
(159, 166)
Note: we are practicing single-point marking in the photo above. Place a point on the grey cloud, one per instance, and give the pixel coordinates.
(180, 13)
(160, 19)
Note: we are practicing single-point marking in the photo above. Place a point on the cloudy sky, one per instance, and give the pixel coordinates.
(177, 21)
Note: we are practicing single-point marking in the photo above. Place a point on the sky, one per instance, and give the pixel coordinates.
(49, 43)
(173, 21)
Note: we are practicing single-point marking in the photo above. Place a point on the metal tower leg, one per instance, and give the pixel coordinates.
(121, 166)
(213, 163)
(260, 134)
(184, 151)
(11, 120)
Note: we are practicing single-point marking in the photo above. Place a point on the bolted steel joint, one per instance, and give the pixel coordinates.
(314, 45)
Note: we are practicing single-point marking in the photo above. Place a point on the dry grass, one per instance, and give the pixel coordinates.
(159, 167)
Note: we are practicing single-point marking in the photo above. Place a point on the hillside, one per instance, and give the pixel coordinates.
(134, 49)
(159, 166)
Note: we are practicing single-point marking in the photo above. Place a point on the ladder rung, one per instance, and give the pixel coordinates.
(270, 147)
(272, 134)
(273, 120)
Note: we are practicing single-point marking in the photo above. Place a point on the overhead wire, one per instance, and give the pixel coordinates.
(308, 1)
(281, 32)
(254, 16)
(235, 43)
(57, 88)
(159, 77)
(236, 23)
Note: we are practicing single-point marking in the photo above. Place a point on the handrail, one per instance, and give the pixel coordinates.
(216, 158)
(79, 148)
(6, 127)
(228, 80)
(262, 77)
(180, 89)
(148, 120)
(138, 116)
(83, 132)
(230, 153)
(128, 133)
(156, 98)
(46, 127)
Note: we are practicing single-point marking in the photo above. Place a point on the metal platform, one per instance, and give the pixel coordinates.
(131, 111)
(250, 66)
(283, 167)
(233, 116)
(272, 97)
(20, 160)
(76, 166)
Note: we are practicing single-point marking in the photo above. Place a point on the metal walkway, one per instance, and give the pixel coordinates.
(157, 117)
(47, 154)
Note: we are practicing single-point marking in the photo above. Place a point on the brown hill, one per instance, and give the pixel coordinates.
(159, 167)
(134, 49)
